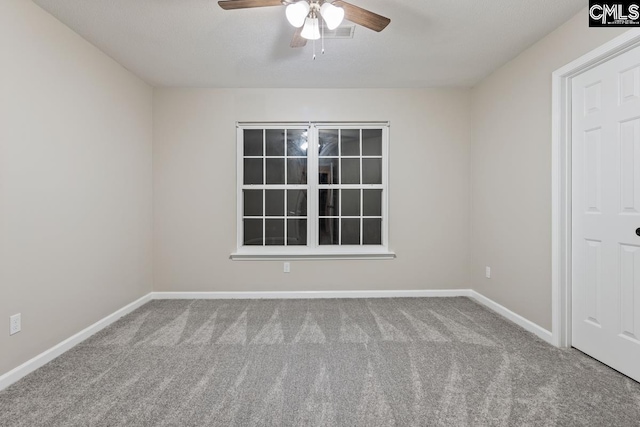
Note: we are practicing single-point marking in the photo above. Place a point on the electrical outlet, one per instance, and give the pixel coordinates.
(15, 324)
(287, 267)
(487, 272)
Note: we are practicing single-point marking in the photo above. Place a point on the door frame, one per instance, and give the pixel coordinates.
(561, 224)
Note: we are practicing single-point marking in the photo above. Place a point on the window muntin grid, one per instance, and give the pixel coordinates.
(274, 187)
(350, 190)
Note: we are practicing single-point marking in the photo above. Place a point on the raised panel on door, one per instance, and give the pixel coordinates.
(629, 84)
(593, 170)
(593, 282)
(592, 98)
(630, 166)
(629, 295)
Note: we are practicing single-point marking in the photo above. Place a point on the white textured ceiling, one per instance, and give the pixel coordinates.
(194, 43)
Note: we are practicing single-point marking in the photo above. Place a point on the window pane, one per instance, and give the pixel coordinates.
(274, 232)
(297, 142)
(328, 231)
(372, 171)
(372, 142)
(350, 142)
(296, 171)
(253, 142)
(253, 232)
(328, 171)
(252, 202)
(350, 171)
(372, 202)
(329, 203)
(350, 231)
(275, 171)
(328, 142)
(297, 202)
(252, 171)
(275, 142)
(350, 202)
(297, 232)
(274, 202)
(372, 231)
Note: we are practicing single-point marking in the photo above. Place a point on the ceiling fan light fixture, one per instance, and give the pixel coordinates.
(332, 15)
(297, 12)
(311, 29)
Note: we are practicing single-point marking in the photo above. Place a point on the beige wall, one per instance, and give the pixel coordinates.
(75, 183)
(470, 182)
(511, 171)
(195, 189)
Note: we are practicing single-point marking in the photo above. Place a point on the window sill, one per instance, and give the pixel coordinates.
(261, 256)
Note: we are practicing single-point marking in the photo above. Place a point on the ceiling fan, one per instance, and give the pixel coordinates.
(305, 15)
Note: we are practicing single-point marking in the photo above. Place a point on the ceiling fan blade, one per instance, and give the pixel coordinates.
(363, 17)
(244, 4)
(298, 40)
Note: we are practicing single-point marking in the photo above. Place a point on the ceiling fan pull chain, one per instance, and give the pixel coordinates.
(314, 50)
(322, 39)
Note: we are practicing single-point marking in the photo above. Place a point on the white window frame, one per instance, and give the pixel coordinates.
(313, 250)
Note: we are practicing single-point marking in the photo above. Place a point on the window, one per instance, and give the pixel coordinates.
(312, 191)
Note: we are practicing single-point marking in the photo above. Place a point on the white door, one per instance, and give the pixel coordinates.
(606, 213)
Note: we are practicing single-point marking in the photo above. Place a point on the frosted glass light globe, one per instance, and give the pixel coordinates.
(297, 13)
(311, 30)
(332, 15)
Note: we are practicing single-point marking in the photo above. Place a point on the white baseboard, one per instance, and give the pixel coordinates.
(47, 356)
(31, 365)
(314, 294)
(515, 318)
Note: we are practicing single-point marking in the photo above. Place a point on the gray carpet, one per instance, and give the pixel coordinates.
(403, 362)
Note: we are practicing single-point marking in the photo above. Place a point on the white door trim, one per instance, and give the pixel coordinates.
(561, 178)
